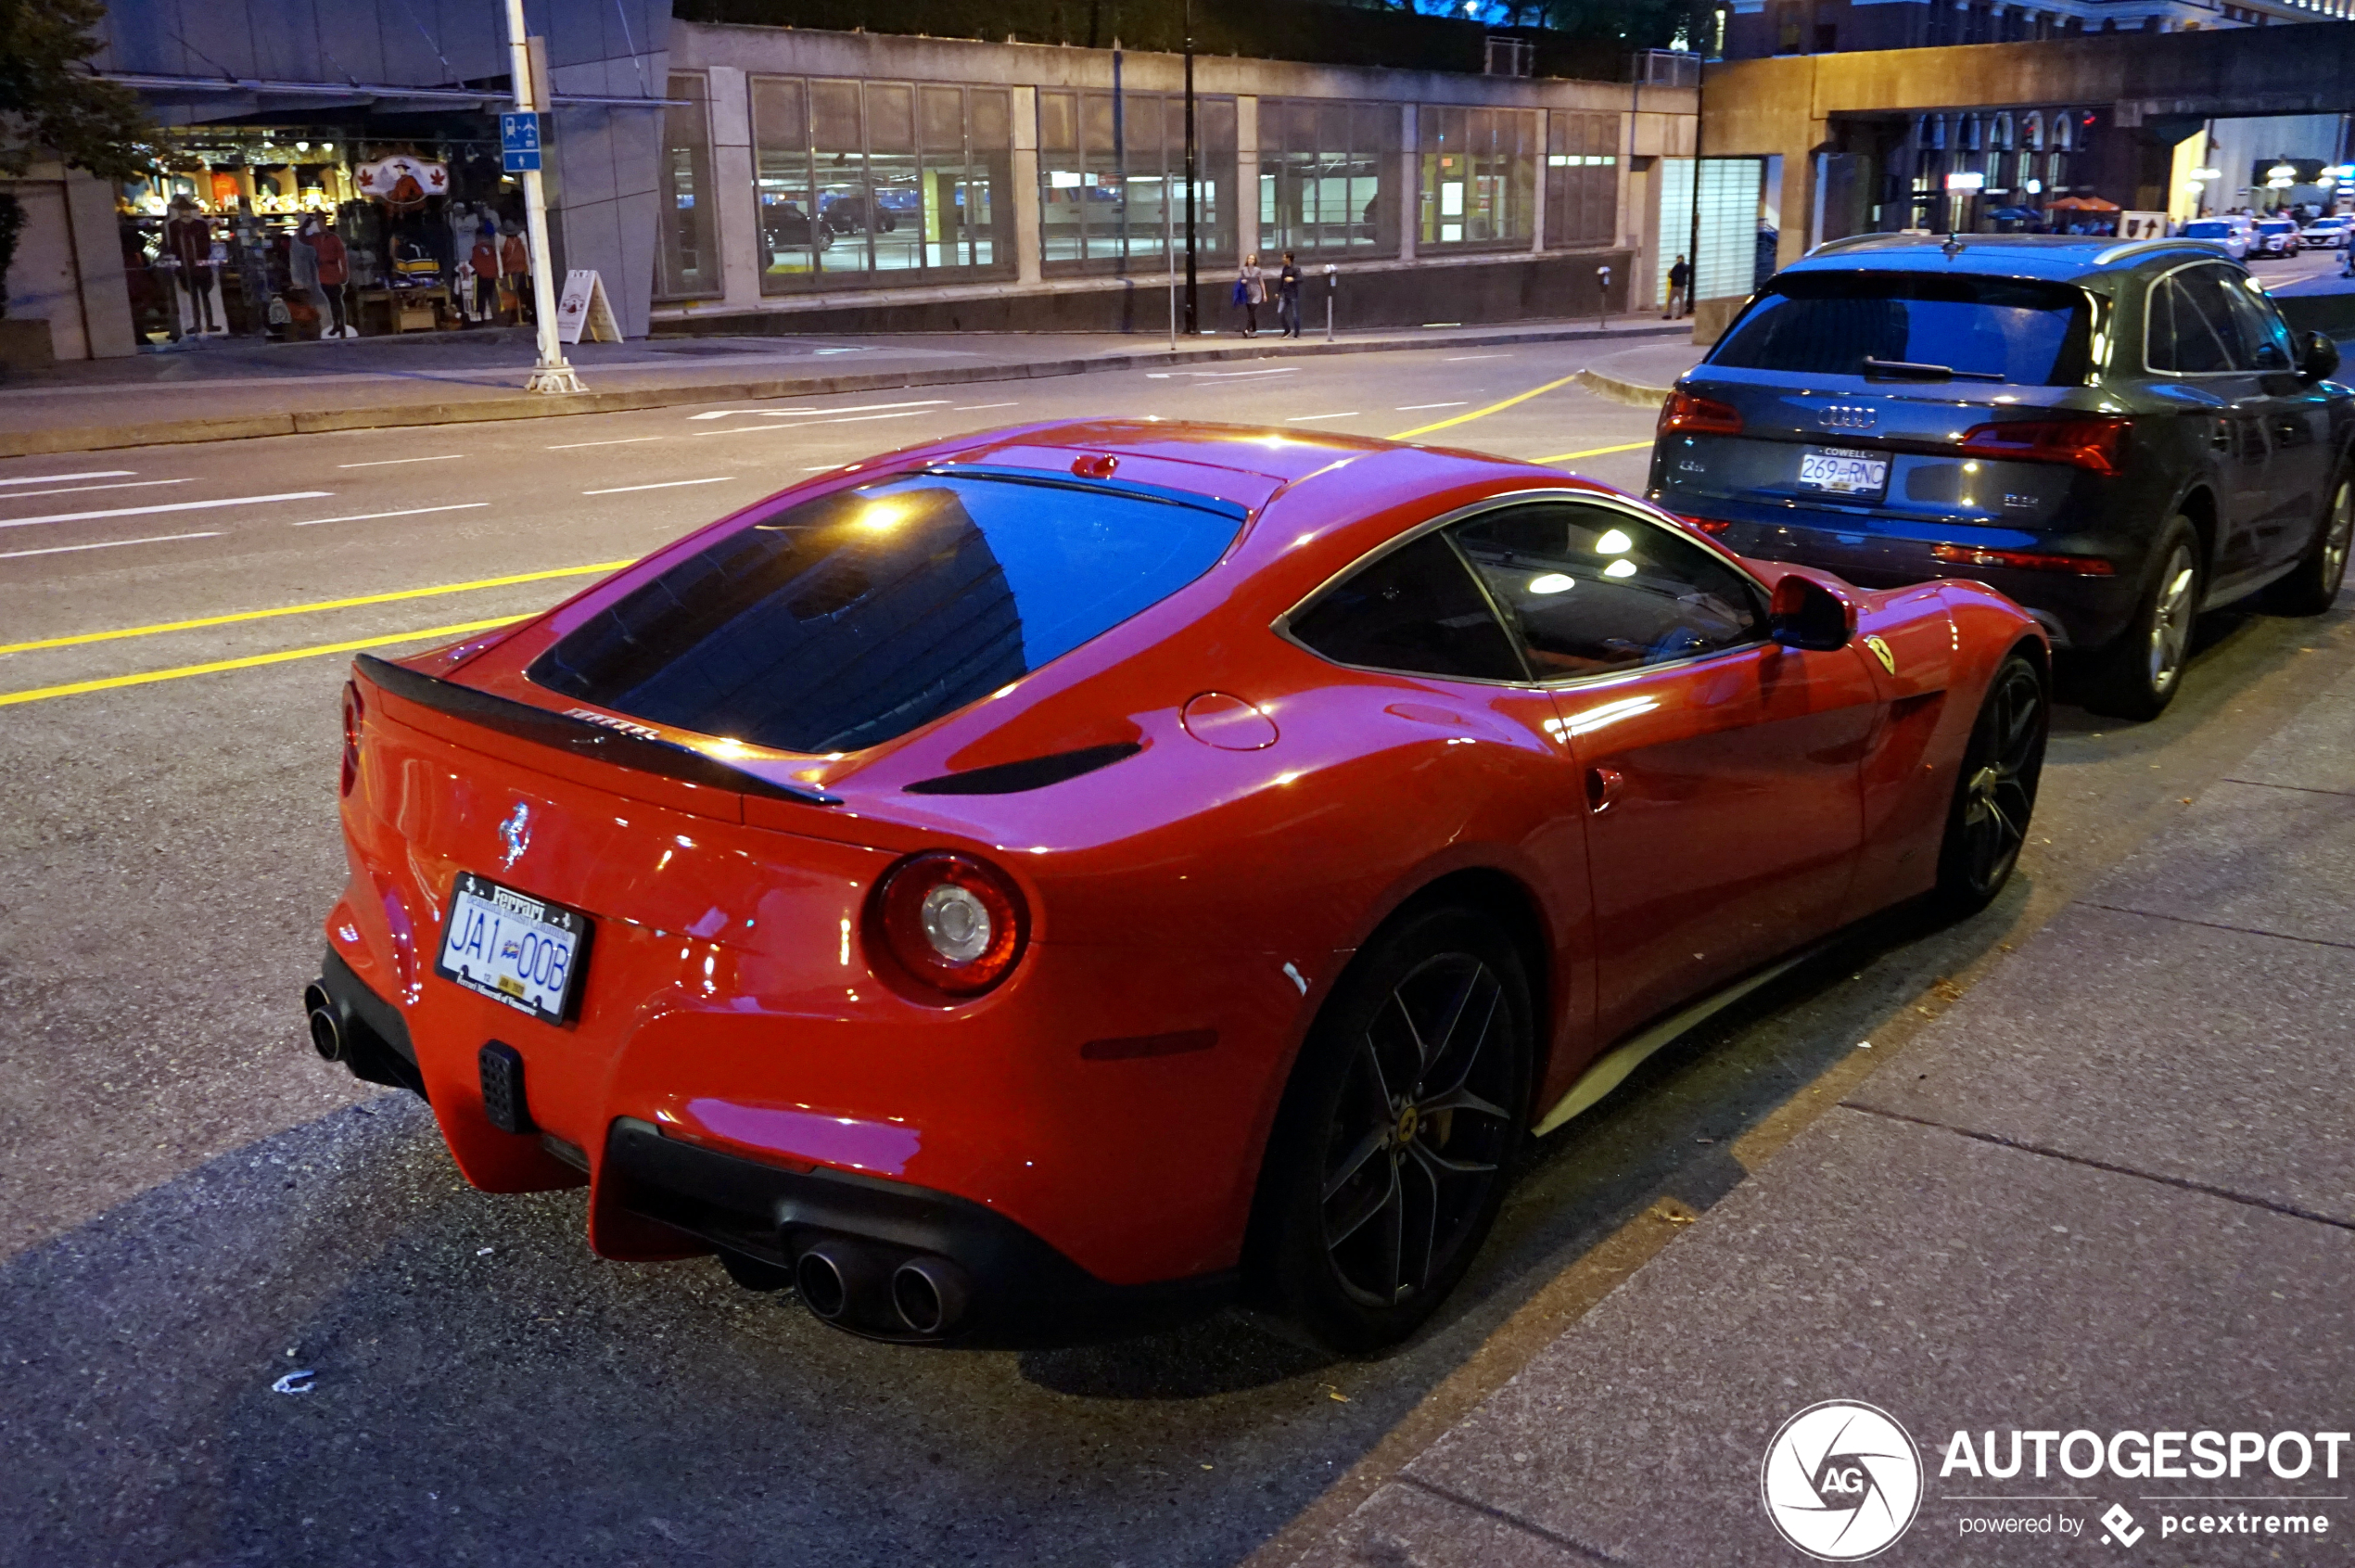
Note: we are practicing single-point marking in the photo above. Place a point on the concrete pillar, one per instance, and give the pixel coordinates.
(1537, 202)
(1247, 175)
(1026, 192)
(1410, 197)
(736, 195)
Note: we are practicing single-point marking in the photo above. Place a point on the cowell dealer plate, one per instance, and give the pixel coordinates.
(514, 948)
(1844, 471)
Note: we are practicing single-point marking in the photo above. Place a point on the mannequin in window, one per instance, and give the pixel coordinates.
(188, 241)
(515, 269)
(335, 269)
(302, 259)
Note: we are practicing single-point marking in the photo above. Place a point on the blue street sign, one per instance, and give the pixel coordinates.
(518, 142)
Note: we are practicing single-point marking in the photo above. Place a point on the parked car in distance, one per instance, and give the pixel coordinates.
(1087, 870)
(2117, 435)
(2275, 236)
(2222, 232)
(2326, 234)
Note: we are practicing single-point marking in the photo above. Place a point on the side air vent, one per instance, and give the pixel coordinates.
(1031, 773)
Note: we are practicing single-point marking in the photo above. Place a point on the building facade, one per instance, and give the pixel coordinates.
(826, 182)
(1753, 29)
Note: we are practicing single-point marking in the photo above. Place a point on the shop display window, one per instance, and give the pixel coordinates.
(1479, 180)
(1112, 186)
(1326, 177)
(880, 182)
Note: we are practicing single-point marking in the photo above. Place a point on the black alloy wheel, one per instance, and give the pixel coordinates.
(1996, 796)
(1403, 1119)
(2313, 586)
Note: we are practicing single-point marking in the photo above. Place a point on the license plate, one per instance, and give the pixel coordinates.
(514, 948)
(1842, 472)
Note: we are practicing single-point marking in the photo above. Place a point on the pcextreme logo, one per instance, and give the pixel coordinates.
(1841, 1481)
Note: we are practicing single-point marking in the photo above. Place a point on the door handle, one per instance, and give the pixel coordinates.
(1602, 788)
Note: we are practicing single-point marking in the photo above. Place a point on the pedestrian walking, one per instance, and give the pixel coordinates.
(1680, 290)
(1250, 292)
(1287, 298)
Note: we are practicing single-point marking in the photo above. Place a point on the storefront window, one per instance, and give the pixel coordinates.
(1582, 178)
(1479, 177)
(690, 248)
(1112, 188)
(881, 181)
(1326, 171)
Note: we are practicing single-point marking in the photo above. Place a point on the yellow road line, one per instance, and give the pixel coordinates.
(305, 609)
(74, 688)
(1484, 413)
(1558, 457)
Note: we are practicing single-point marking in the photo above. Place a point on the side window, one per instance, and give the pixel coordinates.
(2264, 336)
(1591, 589)
(1417, 610)
(2208, 335)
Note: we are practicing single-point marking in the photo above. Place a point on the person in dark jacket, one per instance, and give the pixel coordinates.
(1288, 298)
(1680, 290)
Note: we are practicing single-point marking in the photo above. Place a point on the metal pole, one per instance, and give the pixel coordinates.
(1194, 303)
(1119, 143)
(1169, 241)
(1692, 253)
(552, 374)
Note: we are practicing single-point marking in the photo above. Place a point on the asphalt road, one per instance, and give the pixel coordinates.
(194, 1207)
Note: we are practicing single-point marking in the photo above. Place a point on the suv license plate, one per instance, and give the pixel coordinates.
(514, 948)
(1844, 472)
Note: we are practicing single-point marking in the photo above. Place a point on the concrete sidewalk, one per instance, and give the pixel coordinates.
(2110, 1190)
(234, 388)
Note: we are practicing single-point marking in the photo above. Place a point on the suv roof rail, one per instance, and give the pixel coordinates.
(1845, 242)
(2145, 247)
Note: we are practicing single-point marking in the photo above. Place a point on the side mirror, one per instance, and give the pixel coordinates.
(1805, 614)
(2318, 358)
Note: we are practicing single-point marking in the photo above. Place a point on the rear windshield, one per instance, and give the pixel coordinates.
(2207, 231)
(1830, 324)
(844, 620)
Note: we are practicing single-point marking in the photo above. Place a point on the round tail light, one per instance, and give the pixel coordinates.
(353, 712)
(953, 923)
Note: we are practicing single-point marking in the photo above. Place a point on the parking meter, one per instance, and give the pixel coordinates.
(1602, 295)
(1332, 288)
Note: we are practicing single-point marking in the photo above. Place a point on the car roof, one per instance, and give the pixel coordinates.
(2048, 257)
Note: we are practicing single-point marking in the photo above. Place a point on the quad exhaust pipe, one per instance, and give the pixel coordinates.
(854, 1287)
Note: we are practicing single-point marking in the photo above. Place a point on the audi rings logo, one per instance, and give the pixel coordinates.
(1848, 416)
(1841, 1481)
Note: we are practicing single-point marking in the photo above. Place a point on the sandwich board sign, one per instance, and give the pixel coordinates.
(583, 309)
(2142, 226)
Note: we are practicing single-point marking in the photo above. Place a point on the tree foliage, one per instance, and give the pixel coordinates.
(51, 102)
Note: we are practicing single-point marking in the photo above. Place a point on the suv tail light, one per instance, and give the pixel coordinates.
(952, 923)
(1685, 415)
(353, 713)
(2023, 560)
(2095, 443)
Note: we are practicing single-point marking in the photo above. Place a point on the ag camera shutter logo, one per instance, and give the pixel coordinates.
(1841, 1481)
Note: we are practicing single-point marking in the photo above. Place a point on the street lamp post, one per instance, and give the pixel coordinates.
(552, 374)
(1193, 321)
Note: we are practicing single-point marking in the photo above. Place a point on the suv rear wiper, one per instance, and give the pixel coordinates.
(1908, 370)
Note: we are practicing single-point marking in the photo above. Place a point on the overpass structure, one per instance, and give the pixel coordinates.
(1864, 142)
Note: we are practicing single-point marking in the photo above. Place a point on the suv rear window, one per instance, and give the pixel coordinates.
(1828, 323)
(844, 620)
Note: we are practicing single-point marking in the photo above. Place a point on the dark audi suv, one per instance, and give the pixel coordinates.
(2119, 436)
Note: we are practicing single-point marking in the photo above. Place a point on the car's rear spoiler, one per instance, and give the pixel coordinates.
(581, 733)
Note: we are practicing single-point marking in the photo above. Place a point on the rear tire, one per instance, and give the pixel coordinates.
(1995, 796)
(2313, 587)
(1389, 1155)
(2137, 675)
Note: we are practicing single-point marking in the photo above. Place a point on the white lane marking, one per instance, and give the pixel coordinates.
(1411, 407)
(168, 506)
(1305, 419)
(77, 490)
(854, 408)
(371, 517)
(1217, 375)
(666, 484)
(821, 468)
(772, 429)
(974, 407)
(723, 413)
(60, 479)
(624, 440)
(109, 544)
(1452, 359)
(388, 462)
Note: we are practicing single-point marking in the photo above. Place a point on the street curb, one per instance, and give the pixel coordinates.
(1634, 394)
(238, 428)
